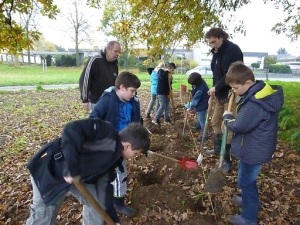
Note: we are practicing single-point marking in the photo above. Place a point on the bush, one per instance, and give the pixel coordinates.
(66, 60)
(279, 68)
(255, 65)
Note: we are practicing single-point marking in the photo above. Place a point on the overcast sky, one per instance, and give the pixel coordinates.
(258, 20)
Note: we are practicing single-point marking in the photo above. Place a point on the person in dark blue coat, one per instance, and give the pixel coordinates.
(254, 135)
(120, 106)
(199, 103)
(90, 149)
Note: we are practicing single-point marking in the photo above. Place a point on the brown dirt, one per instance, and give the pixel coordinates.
(162, 192)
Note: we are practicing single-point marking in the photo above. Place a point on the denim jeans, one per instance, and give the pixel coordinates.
(201, 118)
(163, 107)
(247, 175)
(153, 102)
(102, 191)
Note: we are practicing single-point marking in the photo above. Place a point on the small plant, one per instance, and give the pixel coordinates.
(295, 139)
(39, 87)
(19, 144)
(287, 119)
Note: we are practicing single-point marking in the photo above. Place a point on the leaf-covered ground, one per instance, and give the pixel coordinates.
(162, 192)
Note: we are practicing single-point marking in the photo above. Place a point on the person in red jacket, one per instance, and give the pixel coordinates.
(90, 149)
(99, 74)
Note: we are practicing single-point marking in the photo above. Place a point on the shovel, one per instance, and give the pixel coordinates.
(87, 195)
(204, 134)
(216, 177)
(184, 163)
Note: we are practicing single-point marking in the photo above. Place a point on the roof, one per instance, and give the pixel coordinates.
(255, 54)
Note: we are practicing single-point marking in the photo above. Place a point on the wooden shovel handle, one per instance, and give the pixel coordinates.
(87, 195)
(163, 156)
(231, 100)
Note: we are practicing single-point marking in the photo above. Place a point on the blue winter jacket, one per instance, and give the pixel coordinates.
(153, 80)
(256, 124)
(108, 108)
(200, 97)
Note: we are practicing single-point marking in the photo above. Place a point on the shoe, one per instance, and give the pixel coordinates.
(126, 211)
(121, 208)
(239, 220)
(226, 166)
(148, 116)
(217, 145)
(167, 121)
(237, 200)
(155, 121)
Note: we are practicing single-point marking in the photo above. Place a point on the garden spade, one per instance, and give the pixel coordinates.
(87, 195)
(216, 177)
(185, 163)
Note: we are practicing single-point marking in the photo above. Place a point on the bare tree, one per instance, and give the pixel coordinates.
(79, 27)
(28, 22)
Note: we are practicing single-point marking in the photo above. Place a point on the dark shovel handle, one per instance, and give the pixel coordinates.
(210, 103)
(87, 195)
(225, 132)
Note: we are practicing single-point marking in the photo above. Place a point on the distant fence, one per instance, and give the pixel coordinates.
(23, 58)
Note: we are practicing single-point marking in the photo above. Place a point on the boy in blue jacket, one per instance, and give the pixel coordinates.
(120, 106)
(200, 98)
(164, 90)
(90, 149)
(154, 81)
(255, 135)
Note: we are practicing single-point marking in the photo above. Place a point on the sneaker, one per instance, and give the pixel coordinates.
(126, 211)
(155, 121)
(167, 121)
(239, 220)
(237, 200)
(226, 166)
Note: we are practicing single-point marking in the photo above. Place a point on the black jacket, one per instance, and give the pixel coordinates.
(89, 148)
(227, 54)
(163, 86)
(97, 75)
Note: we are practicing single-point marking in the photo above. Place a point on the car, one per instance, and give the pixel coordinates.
(203, 70)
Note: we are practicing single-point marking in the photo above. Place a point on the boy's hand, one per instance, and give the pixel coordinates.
(192, 111)
(69, 180)
(227, 113)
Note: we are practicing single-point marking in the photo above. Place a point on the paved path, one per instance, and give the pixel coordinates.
(66, 86)
(54, 86)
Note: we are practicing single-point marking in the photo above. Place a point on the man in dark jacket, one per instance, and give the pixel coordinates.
(224, 54)
(99, 74)
(90, 149)
(255, 135)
